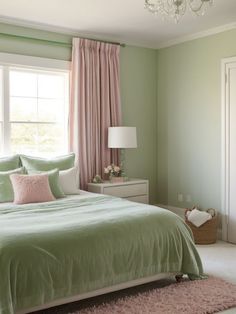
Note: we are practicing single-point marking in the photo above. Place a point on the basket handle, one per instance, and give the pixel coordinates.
(185, 213)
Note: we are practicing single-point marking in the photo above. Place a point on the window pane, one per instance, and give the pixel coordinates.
(50, 86)
(37, 139)
(23, 109)
(50, 139)
(38, 102)
(50, 110)
(23, 84)
(23, 138)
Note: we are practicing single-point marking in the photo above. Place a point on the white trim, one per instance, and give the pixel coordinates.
(74, 32)
(209, 32)
(6, 113)
(98, 292)
(38, 25)
(225, 66)
(28, 61)
(59, 30)
(224, 171)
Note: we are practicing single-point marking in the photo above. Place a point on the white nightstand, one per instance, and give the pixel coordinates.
(135, 190)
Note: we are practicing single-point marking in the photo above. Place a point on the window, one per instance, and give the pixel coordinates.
(33, 111)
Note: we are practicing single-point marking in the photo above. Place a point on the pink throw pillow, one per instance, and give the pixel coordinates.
(31, 188)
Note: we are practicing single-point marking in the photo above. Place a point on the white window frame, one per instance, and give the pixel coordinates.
(226, 65)
(27, 62)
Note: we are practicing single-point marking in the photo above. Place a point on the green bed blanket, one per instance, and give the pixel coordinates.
(59, 249)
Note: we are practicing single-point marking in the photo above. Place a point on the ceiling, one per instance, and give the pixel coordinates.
(125, 21)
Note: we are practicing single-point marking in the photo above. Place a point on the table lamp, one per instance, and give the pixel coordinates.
(122, 137)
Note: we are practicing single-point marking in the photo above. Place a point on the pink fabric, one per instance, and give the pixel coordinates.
(31, 188)
(94, 105)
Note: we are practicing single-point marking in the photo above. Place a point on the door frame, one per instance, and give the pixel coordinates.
(226, 64)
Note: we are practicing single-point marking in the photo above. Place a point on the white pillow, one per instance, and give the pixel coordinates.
(68, 180)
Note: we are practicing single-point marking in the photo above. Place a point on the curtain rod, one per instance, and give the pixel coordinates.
(53, 42)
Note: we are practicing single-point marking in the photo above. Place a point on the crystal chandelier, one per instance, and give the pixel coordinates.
(177, 8)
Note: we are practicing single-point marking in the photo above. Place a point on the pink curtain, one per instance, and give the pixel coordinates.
(94, 105)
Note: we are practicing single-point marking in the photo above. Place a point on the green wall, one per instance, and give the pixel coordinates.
(138, 93)
(173, 97)
(33, 48)
(189, 120)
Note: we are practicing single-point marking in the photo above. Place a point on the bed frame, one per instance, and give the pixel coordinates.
(102, 291)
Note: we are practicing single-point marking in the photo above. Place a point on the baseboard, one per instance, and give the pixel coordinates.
(180, 212)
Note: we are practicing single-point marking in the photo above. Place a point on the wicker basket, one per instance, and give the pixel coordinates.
(206, 233)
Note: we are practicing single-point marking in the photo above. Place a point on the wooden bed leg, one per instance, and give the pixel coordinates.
(178, 278)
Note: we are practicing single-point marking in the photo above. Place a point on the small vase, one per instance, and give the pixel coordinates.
(116, 179)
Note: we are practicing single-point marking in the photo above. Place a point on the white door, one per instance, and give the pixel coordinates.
(229, 181)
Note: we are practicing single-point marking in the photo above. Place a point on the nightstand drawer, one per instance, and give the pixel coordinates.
(126, 190)
(135, 190)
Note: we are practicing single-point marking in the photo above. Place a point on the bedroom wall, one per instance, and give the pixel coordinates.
(189, 120)
(138, 93)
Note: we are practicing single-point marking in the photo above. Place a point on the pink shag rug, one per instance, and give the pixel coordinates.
(207, 296)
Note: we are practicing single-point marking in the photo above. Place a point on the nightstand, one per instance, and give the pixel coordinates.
(135, 190)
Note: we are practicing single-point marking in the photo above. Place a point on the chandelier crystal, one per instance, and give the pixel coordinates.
(177, 8)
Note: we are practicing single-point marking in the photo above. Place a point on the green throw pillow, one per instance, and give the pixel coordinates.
(9, 163)
(41, 164)
(6, 190)
(53, 178)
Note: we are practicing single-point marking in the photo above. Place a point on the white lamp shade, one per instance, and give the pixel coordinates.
(122, 137)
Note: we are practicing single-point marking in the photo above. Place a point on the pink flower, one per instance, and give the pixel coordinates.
(112, 170)
(116, 168)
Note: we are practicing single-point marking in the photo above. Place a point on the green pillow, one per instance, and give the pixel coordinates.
(53, 178)
(41, 164)
(6, 190)
(9, 163)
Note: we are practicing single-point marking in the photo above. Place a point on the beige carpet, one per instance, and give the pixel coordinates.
(219, 260)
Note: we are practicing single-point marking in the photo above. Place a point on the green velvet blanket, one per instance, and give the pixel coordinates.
(59, 249)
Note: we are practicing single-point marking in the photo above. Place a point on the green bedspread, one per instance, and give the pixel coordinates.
(59, 249)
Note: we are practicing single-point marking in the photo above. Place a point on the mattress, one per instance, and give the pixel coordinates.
(82, 243)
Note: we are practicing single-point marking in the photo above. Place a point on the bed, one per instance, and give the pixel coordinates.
(84, 245)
